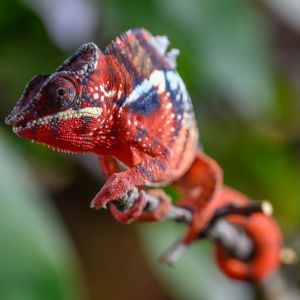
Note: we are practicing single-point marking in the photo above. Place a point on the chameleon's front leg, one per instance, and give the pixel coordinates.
(119, 184)
(109, 167)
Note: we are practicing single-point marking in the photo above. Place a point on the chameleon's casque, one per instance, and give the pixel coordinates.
(128, 105)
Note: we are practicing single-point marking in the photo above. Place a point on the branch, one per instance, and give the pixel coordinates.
(233, 238)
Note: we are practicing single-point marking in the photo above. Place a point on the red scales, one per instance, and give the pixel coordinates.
(129, 106)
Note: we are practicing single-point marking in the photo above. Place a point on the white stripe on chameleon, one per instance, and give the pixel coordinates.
(175, 83)
(156, 79)
(141, 89)
(94, 112)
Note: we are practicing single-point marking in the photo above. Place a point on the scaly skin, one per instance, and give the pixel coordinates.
(128, 105)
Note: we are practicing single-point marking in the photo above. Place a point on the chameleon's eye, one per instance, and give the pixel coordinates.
(60, 94)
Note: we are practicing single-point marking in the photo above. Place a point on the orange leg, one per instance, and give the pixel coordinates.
(200, 188)
(109, 167)
(136, 211)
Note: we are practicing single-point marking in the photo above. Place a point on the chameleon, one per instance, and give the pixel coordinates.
(130, 107)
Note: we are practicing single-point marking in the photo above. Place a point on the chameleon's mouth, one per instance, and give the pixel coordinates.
(59, 131)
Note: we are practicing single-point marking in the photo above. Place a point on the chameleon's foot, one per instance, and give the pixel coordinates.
(131, 213)
(140, 209)
(116, 187)
(160, 212)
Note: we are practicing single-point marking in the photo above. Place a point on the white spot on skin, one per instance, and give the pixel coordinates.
(96, 96)
(107, 93)
(169, 105)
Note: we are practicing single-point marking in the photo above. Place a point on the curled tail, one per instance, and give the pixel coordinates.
(203, 193)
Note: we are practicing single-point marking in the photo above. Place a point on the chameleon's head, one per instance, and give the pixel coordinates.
(63, 109)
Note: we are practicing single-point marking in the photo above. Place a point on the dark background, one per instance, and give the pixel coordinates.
(240, 60)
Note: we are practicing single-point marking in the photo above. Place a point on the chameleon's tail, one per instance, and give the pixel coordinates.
(203, 193)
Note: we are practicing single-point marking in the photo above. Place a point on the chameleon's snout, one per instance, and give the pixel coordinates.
(25, 105)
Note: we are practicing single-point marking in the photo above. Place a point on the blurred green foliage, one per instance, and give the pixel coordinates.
(36, 258)
(248, 112)
(195, 275)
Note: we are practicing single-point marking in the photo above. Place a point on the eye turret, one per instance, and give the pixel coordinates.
(60, 93)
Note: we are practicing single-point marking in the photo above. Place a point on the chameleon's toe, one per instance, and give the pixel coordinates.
(132, 213)
(116, 187)
(159, 213)
(99, 201)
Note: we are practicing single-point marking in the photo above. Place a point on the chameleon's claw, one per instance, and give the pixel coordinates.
(98, 203)
(116, 187)
(133, 212)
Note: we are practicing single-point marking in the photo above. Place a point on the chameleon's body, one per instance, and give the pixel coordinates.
(128, 105)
